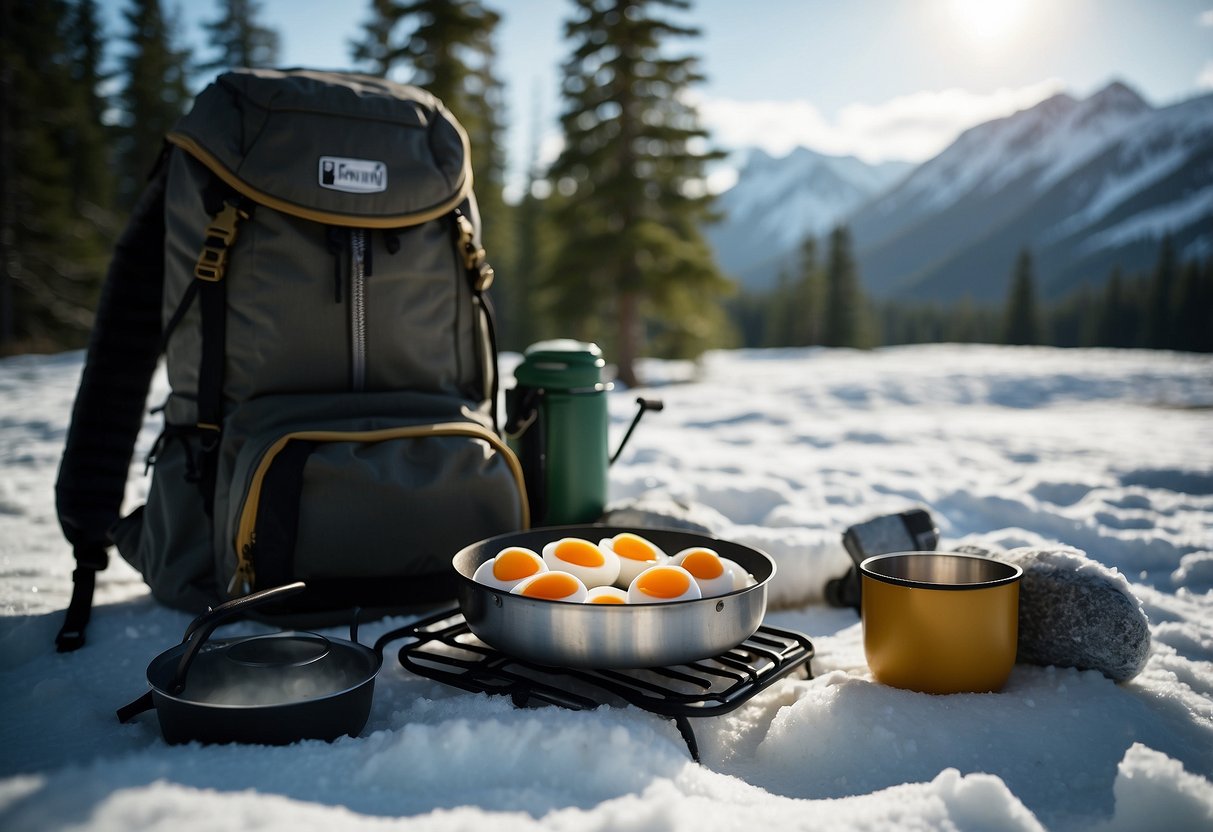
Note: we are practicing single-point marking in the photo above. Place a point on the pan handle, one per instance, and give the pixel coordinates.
(200, 628)
(128, 712)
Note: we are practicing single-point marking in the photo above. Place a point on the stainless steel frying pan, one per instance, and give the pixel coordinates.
(558, 633)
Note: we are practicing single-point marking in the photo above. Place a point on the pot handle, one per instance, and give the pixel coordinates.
(200, 628)
(128, 712)
(655, 405)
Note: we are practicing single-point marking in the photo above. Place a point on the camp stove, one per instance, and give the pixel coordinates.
(443, 648)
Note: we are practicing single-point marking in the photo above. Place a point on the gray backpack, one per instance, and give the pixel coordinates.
(307, 257)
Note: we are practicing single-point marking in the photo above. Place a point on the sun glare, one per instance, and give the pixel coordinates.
(988, 22)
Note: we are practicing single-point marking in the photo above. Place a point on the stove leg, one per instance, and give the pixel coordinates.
(688, 736)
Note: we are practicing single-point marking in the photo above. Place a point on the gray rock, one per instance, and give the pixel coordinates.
(1076, 612)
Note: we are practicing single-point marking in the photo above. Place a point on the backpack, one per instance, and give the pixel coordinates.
(306, 256)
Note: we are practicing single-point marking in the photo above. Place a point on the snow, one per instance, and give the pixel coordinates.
(1047, 142)
(1107, 451)
(805, 192)
(1157, 222)
(1148, 153)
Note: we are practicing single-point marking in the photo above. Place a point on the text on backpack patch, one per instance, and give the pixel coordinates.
(355, 176)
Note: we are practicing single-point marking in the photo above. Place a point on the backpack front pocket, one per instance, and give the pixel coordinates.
(369, 517)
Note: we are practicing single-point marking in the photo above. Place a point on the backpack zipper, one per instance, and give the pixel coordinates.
(244, 579)
(358, 274)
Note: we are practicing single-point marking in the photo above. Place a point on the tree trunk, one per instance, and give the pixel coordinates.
(629, 338)
(7, 226)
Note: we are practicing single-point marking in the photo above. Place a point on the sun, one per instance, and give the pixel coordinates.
(989, 22)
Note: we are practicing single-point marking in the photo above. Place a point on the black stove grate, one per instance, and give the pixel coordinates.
(443, 648)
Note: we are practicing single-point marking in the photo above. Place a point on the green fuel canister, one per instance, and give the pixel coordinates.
(557, 423)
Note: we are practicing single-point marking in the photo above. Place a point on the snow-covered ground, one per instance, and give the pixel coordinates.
(1108, 451)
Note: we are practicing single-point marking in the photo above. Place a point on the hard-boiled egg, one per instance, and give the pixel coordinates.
(582, 558)
(552, 586)
(510, 566)
(635, 555)
(741, 578)
(714, 576)
(662, 583)
(606, 595)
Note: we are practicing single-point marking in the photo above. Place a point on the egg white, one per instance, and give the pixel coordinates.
(741, 578)
(484, 573)
(592, 596)
(726, 581)
(638, 596)
(629, 568)
(602, 575)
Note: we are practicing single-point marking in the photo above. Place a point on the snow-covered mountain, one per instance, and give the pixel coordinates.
(777, 201)
(1084, 184)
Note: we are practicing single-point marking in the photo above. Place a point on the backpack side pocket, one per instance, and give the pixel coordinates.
(169, 539)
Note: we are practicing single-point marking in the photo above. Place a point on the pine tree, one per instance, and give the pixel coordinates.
(377, 52)
(1160, 310)
(519, 322)
(777, 318)
(1109, 326)
(154, 94)
(1021, 324)
(631, 173)
(92, 174)
(239, 39)
(844, 301)
(1073, 321)
(1193, 306)
(449, 51)
(748, 313)
(962, 325)
(52, 228)
(806, 298)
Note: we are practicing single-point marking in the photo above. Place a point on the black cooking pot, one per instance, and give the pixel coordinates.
(269, 689)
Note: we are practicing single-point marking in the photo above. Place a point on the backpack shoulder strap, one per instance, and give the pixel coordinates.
(108, 412)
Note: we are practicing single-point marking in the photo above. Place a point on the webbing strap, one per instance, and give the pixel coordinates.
(79, 609)
(480, 277)
(109, 409)
(212, 298)
(277, 527)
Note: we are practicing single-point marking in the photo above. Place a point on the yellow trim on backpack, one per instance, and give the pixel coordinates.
(244, 578)
(193, 148)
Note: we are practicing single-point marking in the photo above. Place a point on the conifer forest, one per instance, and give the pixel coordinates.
(606, 242)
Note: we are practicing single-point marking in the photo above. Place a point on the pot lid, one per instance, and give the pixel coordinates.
(265, 670)
(561, 364)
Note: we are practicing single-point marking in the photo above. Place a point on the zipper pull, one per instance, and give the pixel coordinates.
(242, 581)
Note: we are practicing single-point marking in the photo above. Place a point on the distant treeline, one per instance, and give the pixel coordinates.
(1168, 307)
(604, 244)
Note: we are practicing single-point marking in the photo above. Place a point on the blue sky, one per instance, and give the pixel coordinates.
(879, 79)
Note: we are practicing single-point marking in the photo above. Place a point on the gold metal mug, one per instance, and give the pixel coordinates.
(939, 622)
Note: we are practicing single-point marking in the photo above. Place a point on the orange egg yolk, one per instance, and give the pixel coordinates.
(514, 565)
(551, 585)
(703, 564)
(607, 599)
(663, 583)
(579, 553)
(633, 547)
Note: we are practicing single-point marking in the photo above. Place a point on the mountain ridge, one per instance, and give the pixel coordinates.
(1085, 184)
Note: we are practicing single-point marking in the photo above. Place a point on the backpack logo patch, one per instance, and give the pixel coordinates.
(354, 176)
